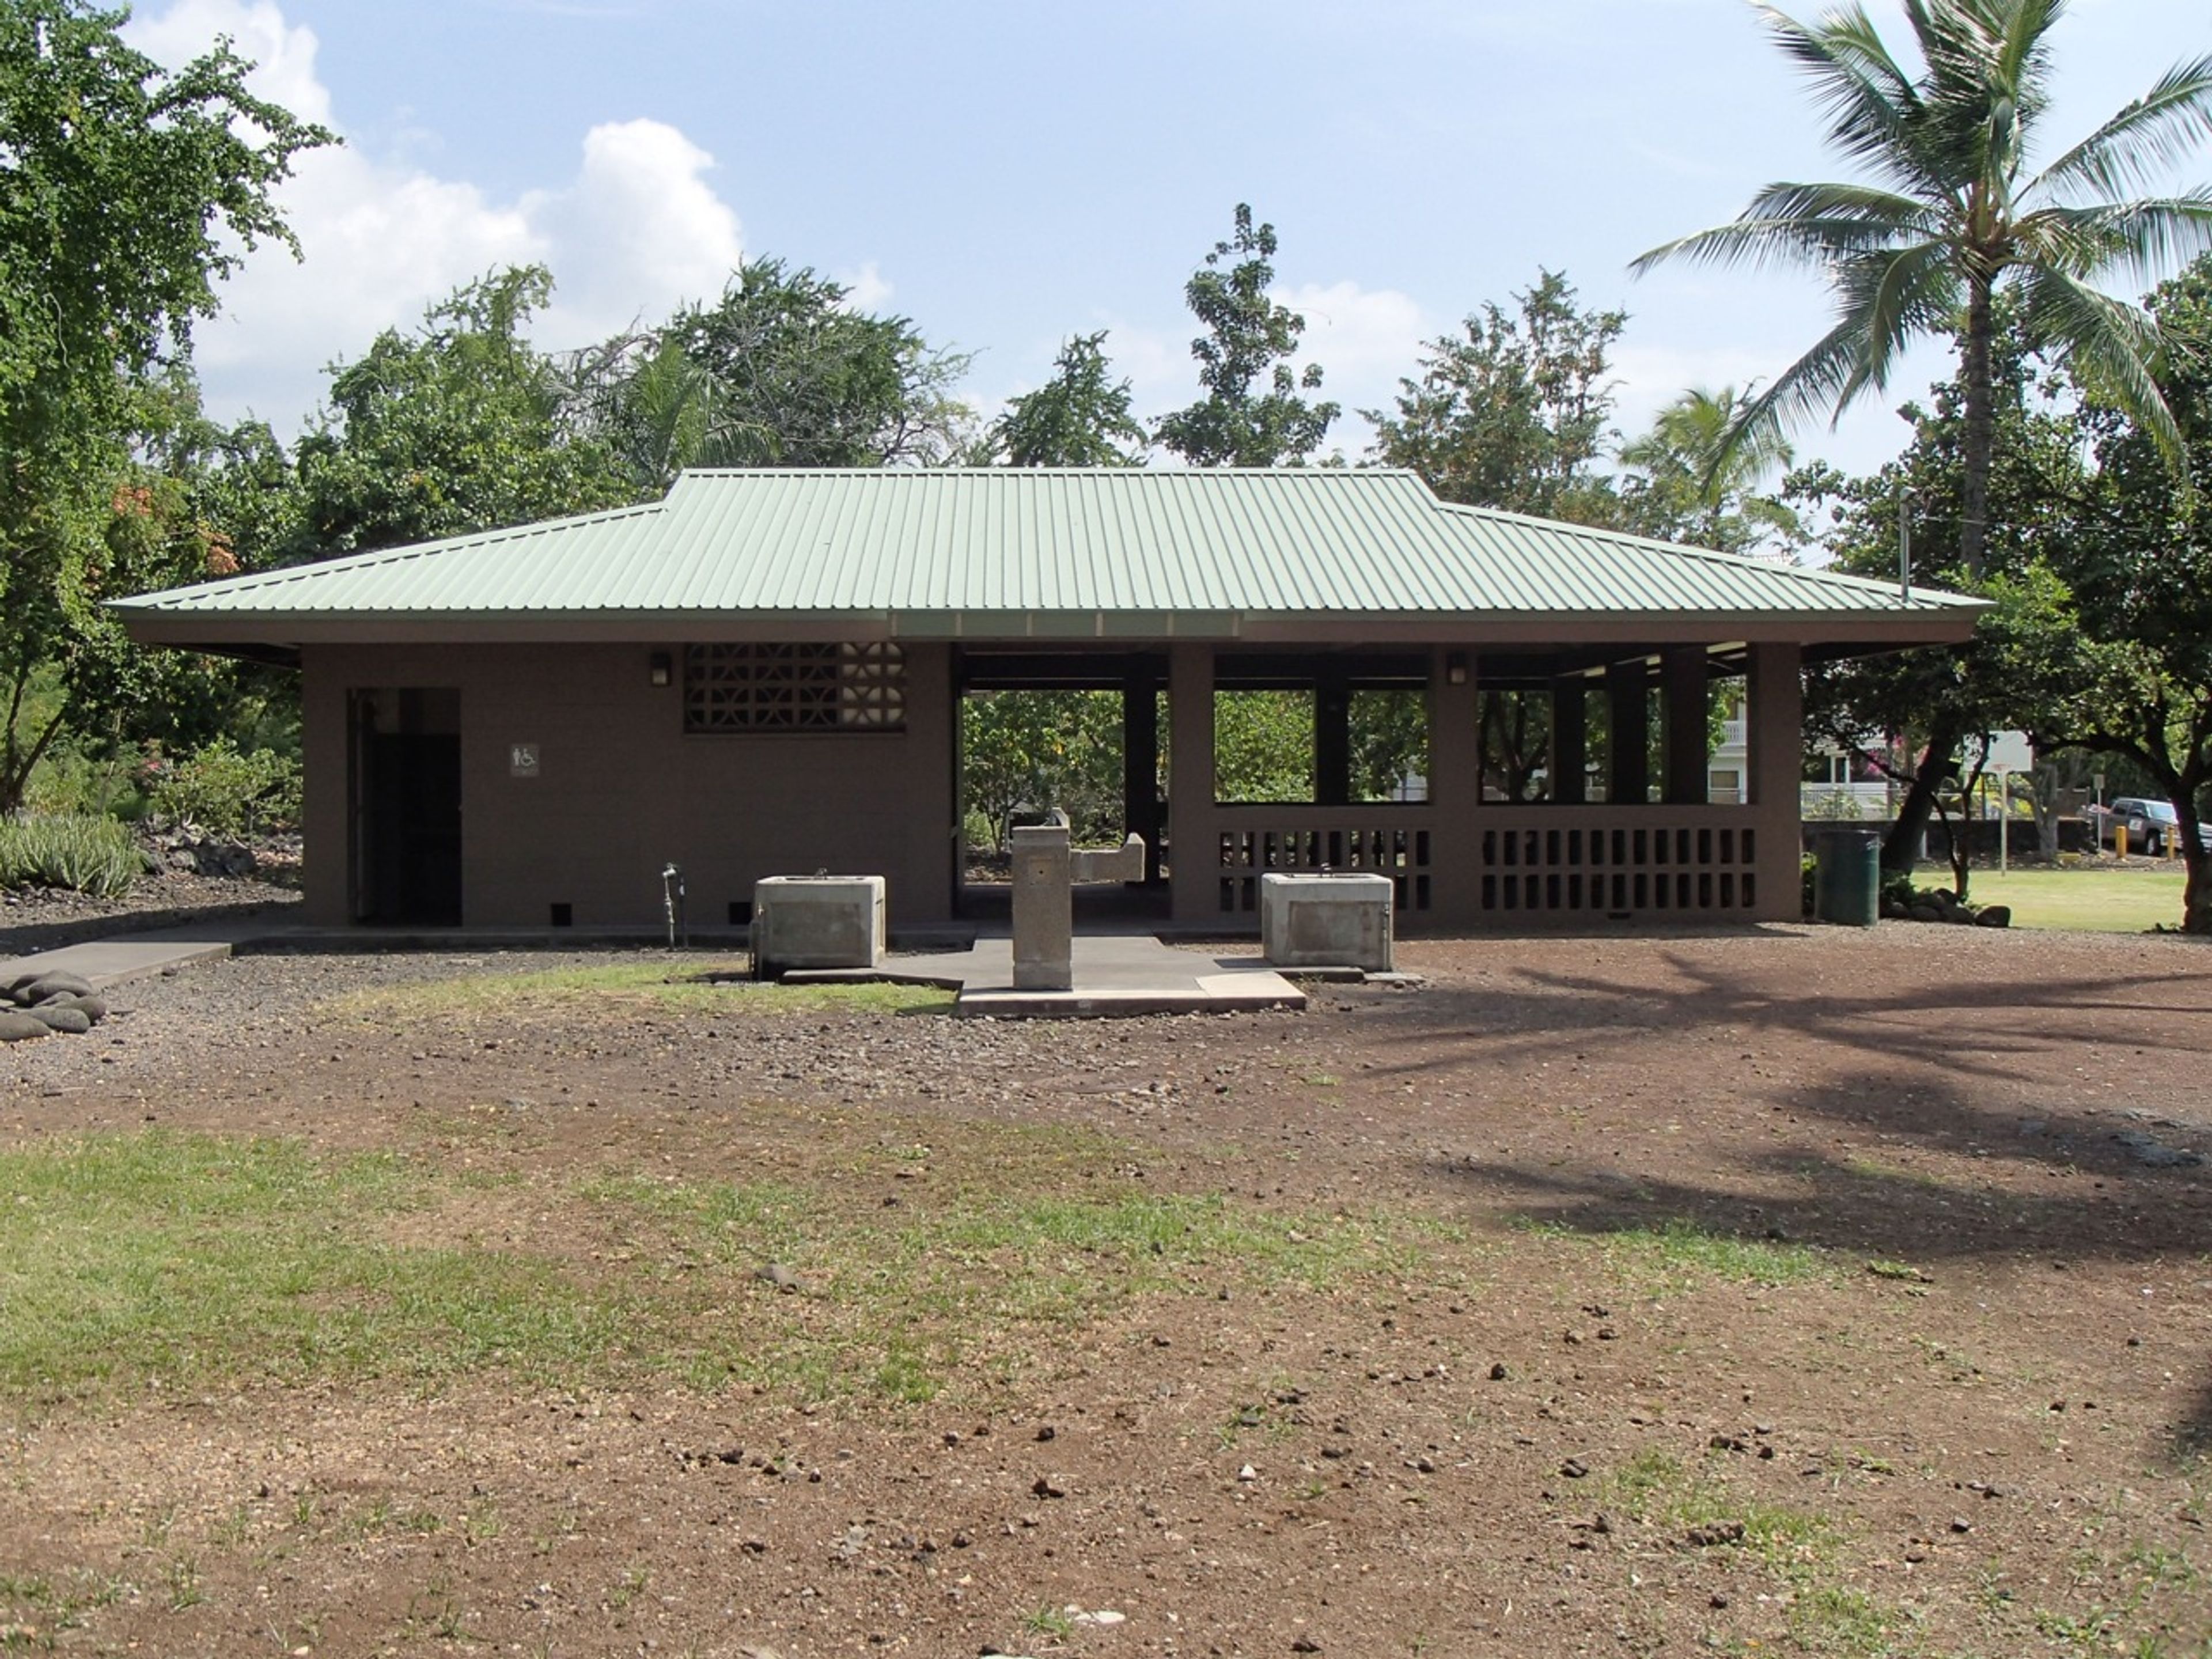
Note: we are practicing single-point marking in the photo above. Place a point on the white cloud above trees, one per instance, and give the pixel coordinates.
(636, 228)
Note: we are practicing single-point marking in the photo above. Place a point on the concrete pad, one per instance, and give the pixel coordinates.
(1112, 975)
(111, 961)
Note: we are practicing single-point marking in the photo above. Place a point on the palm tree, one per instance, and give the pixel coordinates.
(1951, 215)
(1703, 474)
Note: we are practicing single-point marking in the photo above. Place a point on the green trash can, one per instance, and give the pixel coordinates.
(1847, 877)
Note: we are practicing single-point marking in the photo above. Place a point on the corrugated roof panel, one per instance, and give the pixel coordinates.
(1018, 541)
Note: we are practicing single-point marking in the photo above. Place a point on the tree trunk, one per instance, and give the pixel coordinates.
(1981, 428)
(1902, 844)
(2196, 892)
(2196, 858)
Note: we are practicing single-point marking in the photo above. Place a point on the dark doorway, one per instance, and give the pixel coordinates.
(407, 807)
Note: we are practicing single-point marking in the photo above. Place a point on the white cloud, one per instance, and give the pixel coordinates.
(635, 230)
(1366, 340)
(639, 229)
(865, 289)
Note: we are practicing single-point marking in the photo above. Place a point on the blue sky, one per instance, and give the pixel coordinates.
(1007, 175)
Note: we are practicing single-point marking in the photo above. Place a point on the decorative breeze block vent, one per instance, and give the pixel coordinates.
(827, 687)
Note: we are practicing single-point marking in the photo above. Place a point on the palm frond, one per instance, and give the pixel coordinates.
(1759, 241)
(1895, 295)
(2020, 64)
(1866, 97)
(2109, 343)
(2142, 238)
(1885, 210)
(2140, 143)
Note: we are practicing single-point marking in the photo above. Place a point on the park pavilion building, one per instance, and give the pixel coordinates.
(762, 674)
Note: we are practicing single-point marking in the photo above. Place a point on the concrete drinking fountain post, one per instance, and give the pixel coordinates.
(1044, 909)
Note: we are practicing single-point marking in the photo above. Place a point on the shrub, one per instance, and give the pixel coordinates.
(220, 791)
(89, 854)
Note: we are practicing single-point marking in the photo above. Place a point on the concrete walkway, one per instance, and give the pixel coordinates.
(1123, 974)
(105, 962)
(1115, 973)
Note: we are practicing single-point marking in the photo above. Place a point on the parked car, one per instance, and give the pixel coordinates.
(2152, 825)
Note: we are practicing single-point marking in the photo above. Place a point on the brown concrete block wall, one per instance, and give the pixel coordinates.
(621, 789)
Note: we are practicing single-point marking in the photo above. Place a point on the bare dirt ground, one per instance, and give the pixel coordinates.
(1802, 1291)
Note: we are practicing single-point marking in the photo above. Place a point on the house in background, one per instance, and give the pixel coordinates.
(762, 675)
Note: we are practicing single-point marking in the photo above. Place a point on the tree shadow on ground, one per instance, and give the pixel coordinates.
(2128, 1196)
(2020, 1041)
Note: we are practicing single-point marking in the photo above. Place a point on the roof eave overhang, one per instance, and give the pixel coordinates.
(259, 634)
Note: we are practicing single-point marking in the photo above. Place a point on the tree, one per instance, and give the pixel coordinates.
(2136, 677)
(1077, 418)
(796, 377)
(1513, 412)
(459, 427)
(1951, 217)
(1041, 749)
(1249, 340)
(1944, 700)
(127, 191)
(1699, 488)
(642, 396)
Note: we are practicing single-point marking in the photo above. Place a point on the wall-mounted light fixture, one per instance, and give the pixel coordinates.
(660, 668)
(1455, 668)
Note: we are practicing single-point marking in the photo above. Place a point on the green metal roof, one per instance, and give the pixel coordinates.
(1014, 552)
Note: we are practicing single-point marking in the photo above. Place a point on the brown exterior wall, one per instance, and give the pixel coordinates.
(621, 789)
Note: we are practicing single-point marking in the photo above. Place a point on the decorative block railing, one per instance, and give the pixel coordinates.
(1257, 840)
(1617, 861)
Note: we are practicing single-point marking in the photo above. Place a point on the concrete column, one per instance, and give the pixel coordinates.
(1194, 873)
(1774, 696)
(327, 859)
(1332, 738)
(1628, 768)
(1140, 763)
(1570, 757)
(1684, 681)
(1455, 789)
(1044, 910)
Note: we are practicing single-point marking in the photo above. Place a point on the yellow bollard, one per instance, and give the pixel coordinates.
(2119, 841)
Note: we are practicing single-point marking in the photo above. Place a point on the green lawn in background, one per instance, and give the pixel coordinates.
(2102, 901)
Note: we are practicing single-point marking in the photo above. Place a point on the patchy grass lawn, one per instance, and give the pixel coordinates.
(2132, 901)
(192, 1260)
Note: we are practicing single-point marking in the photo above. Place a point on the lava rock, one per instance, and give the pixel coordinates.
(57, 983)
